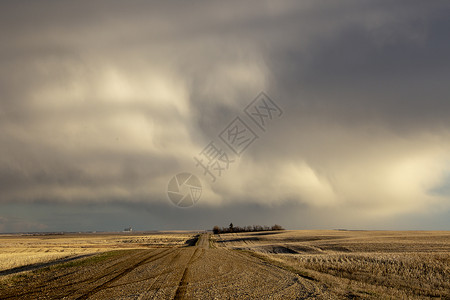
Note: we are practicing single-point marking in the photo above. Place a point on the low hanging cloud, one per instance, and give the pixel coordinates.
(105, 102)
(19, 225)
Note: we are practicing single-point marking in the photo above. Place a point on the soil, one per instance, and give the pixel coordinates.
(193, 272)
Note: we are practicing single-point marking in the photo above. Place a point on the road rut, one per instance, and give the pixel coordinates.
(196, 272)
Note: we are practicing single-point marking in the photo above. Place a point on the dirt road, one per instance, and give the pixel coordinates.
(195, 272)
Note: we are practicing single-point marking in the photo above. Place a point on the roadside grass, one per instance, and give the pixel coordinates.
(193, 241)
(212, 244)
(86, 261)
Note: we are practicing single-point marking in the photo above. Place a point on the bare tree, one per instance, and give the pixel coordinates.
(248, 228)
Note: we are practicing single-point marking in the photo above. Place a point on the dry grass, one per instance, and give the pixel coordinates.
(365, 264)
(343, 264)
(17, 251)
(405, 275)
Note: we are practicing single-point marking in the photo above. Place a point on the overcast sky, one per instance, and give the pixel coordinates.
(103, 102)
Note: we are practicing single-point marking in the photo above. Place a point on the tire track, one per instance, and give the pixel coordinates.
(150, 258)
(39, 289)
(182, 286)
(170, 273)
(157, 284)
(200, 244)
(97, 277)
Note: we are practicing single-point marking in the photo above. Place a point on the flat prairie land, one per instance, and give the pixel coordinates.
(361, 264)
(309, 264)
(26, 250)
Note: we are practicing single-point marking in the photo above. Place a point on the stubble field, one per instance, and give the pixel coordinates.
(366, 264)
(310, 264)
(26, 250)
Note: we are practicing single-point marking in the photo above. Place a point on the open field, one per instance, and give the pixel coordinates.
(21, 250)
(358, 263)
(268, 265)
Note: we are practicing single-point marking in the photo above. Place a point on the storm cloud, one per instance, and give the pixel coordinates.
(101, 103)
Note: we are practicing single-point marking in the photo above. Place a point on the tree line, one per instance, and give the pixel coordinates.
(252, 228)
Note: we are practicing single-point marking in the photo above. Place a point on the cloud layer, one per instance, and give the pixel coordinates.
(105, 102)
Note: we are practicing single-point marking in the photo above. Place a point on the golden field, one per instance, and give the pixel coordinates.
(300, 264)
(366, 264)
(22, 250)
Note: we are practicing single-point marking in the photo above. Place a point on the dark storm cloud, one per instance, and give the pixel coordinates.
(393, 68)
(103, 102)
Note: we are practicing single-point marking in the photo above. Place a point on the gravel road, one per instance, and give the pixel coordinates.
(196, 272)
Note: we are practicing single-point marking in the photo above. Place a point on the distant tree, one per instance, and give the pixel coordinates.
(216, 230)
(277, 227)
(232, 228)
(257, 228)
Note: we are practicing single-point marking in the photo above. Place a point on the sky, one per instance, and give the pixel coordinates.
(102, 103)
